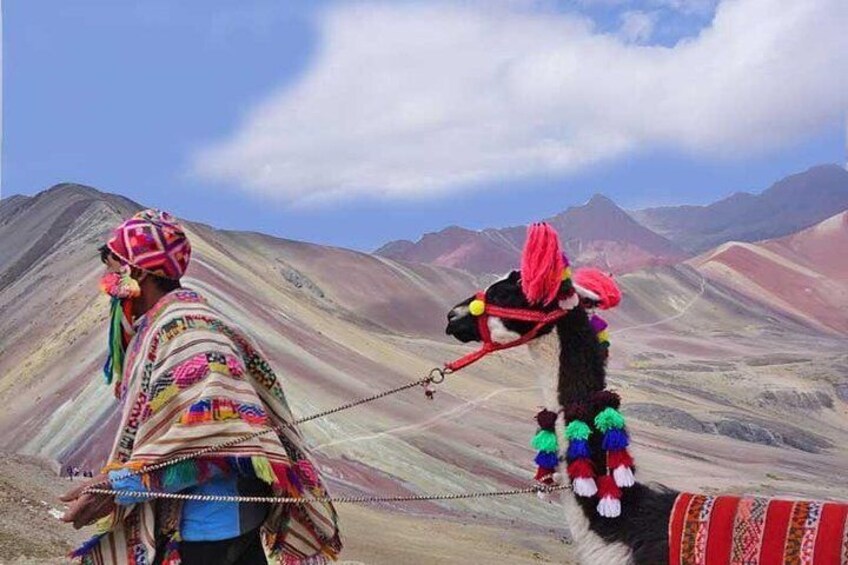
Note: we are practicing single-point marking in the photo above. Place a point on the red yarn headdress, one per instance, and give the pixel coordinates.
(541, 264)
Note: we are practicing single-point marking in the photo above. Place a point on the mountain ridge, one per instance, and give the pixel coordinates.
(602, 233)
(791, 204)
(597, 232)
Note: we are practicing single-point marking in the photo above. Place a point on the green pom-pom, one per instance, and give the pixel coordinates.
(577, 430)
(609, 419)
(545, 440)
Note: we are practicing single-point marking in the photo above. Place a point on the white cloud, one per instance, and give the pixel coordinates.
(637, 26)
(405, 100)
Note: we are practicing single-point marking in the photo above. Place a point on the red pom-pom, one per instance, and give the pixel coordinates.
(618, 458)
(543, 474)
(599, 283)
(581, 468)
(541, 264)
(546, 419)
(608, 488)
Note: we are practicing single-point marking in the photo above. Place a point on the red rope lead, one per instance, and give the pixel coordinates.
(542, 319)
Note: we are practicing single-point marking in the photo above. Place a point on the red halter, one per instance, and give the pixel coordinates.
(542, 319)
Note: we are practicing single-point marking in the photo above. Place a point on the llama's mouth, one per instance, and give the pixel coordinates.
(462, 328)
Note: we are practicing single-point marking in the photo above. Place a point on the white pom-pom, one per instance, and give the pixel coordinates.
(558, 478)
(583, 486)
(623, 476)
(609, 507)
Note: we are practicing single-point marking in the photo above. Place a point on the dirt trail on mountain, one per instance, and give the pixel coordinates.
(30, 534)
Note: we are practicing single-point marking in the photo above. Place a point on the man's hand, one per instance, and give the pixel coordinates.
(87, 508)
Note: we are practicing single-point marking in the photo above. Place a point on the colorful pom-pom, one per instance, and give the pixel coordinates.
(547, 420)
(545, 440)
(584, 486)
(614, 440)
(609, 505)
(547, 459)
(581, 468)
(619, 458)
(544, 473)
(609, 419)
(606, 399)
(477, 307)
(578, 449)
(582, 474)
(597, 324)
(577, 430)
(624, 476)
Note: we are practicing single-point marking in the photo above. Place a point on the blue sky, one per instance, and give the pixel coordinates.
(355, 124)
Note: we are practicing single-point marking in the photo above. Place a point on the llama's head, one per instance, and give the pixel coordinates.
(528, 304)
(542, 286)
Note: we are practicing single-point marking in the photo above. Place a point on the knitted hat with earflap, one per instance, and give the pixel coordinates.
(153, 241)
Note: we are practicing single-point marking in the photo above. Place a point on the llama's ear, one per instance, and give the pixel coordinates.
(514, 276)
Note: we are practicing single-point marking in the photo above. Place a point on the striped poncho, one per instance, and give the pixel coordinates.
(193, 381)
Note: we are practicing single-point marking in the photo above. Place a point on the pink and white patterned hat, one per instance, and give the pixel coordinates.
(153, 241)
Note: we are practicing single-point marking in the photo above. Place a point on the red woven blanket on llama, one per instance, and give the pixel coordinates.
(732, 530)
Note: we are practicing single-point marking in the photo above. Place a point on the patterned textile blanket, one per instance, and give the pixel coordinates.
(733, 530)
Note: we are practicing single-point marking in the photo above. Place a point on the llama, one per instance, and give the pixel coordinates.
(647, 524)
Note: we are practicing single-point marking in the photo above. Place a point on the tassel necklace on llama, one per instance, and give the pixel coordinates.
(546, 277)
(123, 289)
(596, 414)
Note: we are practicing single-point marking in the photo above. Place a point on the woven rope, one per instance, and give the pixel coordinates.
(338, 499)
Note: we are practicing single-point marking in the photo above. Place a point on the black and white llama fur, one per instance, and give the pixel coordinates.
(640, 534)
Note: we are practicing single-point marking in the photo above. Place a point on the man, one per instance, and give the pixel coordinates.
(188, 380)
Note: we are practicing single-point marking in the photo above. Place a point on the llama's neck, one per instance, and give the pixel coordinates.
(591, 548)
(581, 368)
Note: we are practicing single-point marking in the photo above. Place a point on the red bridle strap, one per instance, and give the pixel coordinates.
(542, 319)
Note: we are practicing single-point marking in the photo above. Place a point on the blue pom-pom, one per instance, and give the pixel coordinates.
(578, 449)
(615, 440)
(547, 459)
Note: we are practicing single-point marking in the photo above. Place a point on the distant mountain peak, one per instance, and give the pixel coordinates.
(598, 232)
(599, 200)
(791, 204)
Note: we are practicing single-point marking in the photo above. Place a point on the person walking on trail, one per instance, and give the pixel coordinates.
(189, 379)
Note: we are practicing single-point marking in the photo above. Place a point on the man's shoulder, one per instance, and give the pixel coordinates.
(187, 311)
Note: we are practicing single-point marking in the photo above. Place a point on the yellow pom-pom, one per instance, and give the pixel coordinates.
(566, 273)
(603, 336)
(477, 307)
